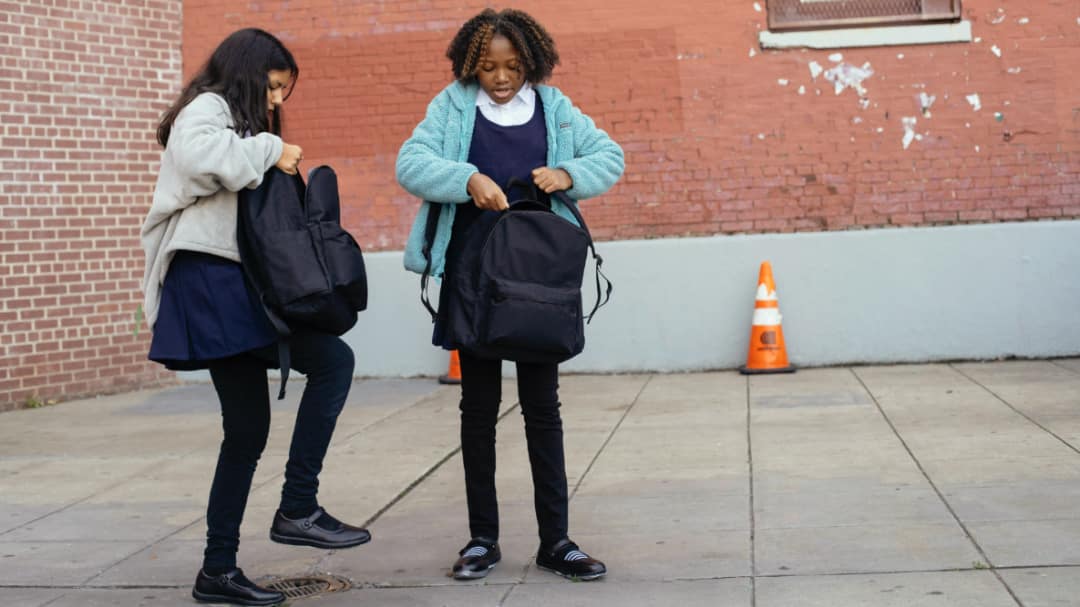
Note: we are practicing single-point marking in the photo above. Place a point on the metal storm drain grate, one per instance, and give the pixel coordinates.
(302, 587)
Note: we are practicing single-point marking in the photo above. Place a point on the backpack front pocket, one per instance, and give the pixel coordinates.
(533, 318)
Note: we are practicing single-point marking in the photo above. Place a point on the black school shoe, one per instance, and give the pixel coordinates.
(234, 588)
(478, 558)
(567, 560)
(308, 532)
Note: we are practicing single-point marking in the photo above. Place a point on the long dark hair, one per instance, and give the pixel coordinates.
(237, 70)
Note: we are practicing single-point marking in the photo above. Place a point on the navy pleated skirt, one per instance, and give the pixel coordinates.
(207, 312)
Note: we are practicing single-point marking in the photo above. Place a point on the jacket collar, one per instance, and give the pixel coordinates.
(463, 96)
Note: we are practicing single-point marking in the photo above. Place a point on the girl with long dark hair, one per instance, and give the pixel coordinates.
(222, 135)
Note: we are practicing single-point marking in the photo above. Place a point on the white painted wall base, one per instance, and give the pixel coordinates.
(873, 296)
(894, 295)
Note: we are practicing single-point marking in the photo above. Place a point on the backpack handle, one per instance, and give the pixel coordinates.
(529, 186)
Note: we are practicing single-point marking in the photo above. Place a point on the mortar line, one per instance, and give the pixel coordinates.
(933, 485)
(1015, 410)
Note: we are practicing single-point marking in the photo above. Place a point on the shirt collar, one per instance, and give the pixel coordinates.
(524, 95)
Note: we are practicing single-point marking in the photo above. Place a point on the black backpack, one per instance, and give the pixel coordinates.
(517, 283)
(306, 269)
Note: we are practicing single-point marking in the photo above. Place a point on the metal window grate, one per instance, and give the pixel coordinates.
(822, 14)
(308, 586)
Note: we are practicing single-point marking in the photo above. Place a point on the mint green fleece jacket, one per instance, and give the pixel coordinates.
(432, 163)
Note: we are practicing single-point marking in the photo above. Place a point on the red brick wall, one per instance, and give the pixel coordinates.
(82, 84)
(714, 144)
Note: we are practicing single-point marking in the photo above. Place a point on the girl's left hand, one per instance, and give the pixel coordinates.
(552, 180)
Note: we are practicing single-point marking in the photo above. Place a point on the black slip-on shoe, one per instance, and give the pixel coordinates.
(567, 560)
(306, 532)
(234, 588)
(477, 559)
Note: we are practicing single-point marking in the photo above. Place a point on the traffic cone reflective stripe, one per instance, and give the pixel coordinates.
(453, 373)
(768, 353)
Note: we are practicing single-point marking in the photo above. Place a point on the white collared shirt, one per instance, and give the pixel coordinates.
(517, 111)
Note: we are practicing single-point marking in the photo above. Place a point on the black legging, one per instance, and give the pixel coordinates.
(243, 389)
(481, 392)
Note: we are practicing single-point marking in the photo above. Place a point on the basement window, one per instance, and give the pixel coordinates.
(848, 23)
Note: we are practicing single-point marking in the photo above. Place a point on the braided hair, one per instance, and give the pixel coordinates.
(530, 39)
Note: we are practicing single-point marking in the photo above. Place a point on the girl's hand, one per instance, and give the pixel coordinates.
(552, 180)
(291, 155)
(486, 194)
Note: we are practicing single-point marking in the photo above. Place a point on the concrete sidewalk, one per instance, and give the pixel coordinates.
(921, 485)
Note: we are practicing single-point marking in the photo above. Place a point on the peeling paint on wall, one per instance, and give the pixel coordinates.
(846, 75)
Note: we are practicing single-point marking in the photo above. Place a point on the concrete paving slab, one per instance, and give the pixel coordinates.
(466, 595)
(933, 589)
(171, 562)
(109, 522)
(1072, 364)
(400, 561)
(779, 483)
(1029, 441)
(1029, 543)
(60, 482)
(1000, 470)
(694, 593)
(1046, 587)
(835, 448)
(143, 597)
(427, 518)
(1044, 373)
(884, 463)
(28, 597)
(685, 556)
(620, 477)
(13, 516)
(862, 549)
(1016, 502)
(58, 563)
(662, 513)
(828, 508)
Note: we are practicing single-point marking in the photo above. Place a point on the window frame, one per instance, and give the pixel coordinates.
(933, 11)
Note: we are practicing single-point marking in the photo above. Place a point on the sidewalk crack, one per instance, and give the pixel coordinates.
(933, 485)
(1015, 410)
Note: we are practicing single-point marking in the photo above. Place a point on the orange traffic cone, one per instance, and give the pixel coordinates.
(767, 351)
(453, 374)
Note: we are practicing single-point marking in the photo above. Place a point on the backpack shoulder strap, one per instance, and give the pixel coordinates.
(434, 210)
(321, 199)
(248, 251)
(572, 206)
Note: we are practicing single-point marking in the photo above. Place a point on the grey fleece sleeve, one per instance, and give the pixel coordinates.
(210, 155)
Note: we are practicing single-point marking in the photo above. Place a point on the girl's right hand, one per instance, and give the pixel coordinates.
(486, 194)
(291, 155)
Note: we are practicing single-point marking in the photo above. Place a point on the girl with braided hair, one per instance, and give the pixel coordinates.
(495, 122)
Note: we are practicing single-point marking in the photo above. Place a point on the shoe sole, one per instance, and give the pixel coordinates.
(473, 575)
(576, 578)
(220, 598)
(302, 541)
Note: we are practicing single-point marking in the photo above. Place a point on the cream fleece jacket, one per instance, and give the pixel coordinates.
(194, 209)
